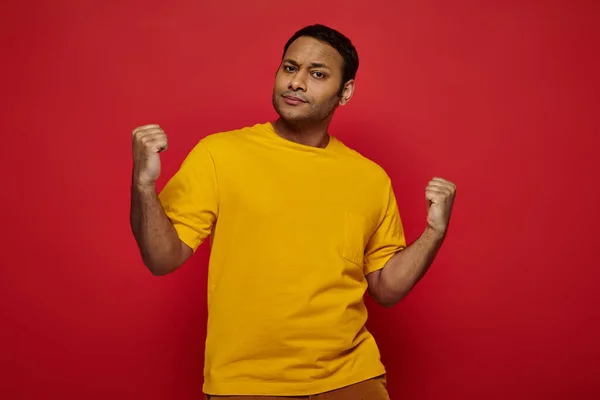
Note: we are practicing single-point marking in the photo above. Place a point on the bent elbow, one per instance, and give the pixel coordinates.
(389, 301)
(387, 304)
(159, 272)
(160, 269)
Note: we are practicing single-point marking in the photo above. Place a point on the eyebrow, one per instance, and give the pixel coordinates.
(312, 65)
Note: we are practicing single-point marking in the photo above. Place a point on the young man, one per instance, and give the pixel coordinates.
(300, 227)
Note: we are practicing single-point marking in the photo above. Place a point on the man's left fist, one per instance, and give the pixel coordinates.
(440, 198)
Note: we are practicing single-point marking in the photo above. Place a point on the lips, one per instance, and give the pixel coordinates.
(293, 99)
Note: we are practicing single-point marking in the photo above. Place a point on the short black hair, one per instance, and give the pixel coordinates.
(335, 39)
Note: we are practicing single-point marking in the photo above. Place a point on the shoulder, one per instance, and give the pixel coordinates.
(371, 184)
(364, 166)
(225, 142)
(233, 137)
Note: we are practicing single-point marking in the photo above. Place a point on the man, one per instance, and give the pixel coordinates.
(300, 227)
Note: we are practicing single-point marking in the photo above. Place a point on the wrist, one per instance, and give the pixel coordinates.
(435, 234)
(143, 186)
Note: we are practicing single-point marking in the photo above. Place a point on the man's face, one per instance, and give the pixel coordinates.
(308, 82)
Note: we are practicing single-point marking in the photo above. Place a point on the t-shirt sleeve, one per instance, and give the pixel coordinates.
(388, 237)
(191, 198)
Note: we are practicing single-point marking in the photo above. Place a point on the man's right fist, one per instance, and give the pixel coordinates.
(148, 141)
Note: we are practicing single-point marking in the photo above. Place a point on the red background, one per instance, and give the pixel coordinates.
(499, 96)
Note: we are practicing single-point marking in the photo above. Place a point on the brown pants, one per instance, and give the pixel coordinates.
(371, 389)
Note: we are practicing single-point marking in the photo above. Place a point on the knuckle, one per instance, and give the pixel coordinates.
(141, 134)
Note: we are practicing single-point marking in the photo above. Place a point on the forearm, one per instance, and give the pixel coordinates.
(406, 268)
(154, 233)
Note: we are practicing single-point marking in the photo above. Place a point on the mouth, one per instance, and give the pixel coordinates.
(293, 100)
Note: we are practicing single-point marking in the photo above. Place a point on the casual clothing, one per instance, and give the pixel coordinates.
(371, 389)
(293, 231)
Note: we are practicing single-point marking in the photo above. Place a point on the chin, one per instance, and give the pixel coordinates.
(288, 113)
(293, 118)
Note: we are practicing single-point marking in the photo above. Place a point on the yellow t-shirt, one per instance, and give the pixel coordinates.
(294, 230)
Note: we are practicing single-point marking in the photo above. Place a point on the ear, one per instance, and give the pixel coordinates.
(347, 92)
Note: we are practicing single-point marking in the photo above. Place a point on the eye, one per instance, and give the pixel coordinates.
(288, 68)
(319, 75)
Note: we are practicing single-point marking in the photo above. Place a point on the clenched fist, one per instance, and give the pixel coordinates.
(148, 141)
(440, 199)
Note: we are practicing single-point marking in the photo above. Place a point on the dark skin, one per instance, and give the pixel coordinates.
(312, 71)
(306, 95)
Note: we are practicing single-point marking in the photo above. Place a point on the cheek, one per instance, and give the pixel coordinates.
(280, 81)
(324, 91)
(325, 97)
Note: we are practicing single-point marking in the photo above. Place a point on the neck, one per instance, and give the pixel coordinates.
(308, 135)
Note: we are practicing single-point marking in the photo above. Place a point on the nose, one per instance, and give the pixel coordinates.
(298, 82)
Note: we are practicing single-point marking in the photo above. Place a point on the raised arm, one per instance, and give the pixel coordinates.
(161, 249)
(403, 271)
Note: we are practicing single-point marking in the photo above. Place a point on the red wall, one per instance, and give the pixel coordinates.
(500, 97)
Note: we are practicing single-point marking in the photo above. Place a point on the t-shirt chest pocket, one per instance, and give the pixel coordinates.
(355, 238)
